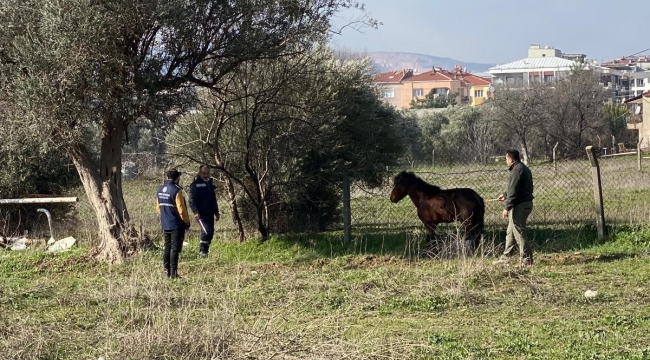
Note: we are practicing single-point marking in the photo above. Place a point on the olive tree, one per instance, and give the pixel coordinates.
(69, 65)
(288, 132)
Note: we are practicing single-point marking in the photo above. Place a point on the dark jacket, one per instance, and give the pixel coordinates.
(203, 197)
(520, 185)
(170, 204)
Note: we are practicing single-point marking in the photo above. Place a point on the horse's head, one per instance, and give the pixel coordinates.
(401, 184)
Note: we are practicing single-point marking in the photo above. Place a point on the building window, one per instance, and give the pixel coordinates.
(388, 93)
(548, 78)
(639, 82)
(478, 93)
(418, 92)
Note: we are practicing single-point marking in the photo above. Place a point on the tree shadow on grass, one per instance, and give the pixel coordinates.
(579, 258)
(409, 242)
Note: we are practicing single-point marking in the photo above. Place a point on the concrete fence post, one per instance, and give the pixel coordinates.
(598, 191)
(638, 154)
(347, 211)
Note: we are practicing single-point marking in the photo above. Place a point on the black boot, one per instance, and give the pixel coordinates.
(173, 273)
(203, 249)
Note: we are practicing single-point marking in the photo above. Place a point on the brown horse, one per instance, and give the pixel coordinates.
(435, 205)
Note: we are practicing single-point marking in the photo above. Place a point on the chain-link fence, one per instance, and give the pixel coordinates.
(139, 196)
(144, 165)
(564, 194)
(626, 190)
(564, 198)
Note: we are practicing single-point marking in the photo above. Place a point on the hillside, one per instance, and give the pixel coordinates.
(386, 61)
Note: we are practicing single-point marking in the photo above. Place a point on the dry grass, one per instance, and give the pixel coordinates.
(564, 200)
(309, 297)
(313, 297)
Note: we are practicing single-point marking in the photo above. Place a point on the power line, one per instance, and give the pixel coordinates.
(642, 51)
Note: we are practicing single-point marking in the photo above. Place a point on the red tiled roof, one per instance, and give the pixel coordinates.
(393, 76)
(433, 75)
(628, 60)
(476, 80)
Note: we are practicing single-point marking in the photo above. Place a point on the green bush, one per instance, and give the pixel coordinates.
(31, 171)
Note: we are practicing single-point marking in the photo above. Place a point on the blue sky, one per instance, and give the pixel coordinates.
(499, 31)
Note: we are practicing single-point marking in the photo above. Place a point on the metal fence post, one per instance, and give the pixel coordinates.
(638, 154)
(347, 211)
(598, 191)
(554, 157)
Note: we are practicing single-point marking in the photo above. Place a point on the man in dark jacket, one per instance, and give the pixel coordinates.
(518, 206)
(203, 202)
(174, 220)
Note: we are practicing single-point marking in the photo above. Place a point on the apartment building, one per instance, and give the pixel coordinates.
(641, 118)
(547, 65)
(393, 89)
(400, 88)
(635, 74)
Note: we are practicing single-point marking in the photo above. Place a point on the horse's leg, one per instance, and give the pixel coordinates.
(474, 233)
(432, 244)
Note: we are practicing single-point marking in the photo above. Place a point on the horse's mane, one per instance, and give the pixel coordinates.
(413, 180)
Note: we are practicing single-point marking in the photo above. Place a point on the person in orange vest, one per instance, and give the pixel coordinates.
(174, 220)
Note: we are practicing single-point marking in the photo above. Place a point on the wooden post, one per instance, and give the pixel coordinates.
(554, 162)
(347, 213)
(41, 200)
(598, 191)
(638, 154)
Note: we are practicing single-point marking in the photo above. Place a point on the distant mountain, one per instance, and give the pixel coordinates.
(386, 61)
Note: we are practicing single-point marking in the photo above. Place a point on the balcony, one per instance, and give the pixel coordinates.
(635, 121)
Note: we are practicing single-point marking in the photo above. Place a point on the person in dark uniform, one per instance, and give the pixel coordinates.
(203, 202)
(174, 220)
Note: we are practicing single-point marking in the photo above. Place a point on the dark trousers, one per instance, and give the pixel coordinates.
(173, 246)
(206, 223)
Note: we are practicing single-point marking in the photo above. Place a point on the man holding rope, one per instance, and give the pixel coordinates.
(203, 202)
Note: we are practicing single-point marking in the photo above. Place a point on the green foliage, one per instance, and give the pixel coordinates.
(412, 136)
(617, 118)
(458, 135)
(76, 70)
(29, 170)
(431, 101)
(287, 132)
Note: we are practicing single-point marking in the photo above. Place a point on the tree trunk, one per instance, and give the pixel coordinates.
(118, 238)
(236, 218)
(261, 227)
(524, 151)
(232, 196)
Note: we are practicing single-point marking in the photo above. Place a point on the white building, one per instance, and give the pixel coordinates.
(636, 74)
(529, 70)
(546, 65)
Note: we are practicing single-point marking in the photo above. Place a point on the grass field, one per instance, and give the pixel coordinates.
(309, 296)
(564, 198)
(313, 298)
